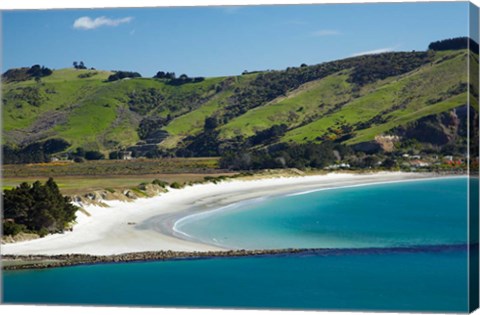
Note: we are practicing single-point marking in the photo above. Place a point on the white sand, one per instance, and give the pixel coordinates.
(107, 231)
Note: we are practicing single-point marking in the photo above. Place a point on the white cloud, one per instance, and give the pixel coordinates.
(87, 23)
(375, 51)
(321, 33)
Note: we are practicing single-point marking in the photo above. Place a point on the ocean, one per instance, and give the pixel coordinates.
(394, 247)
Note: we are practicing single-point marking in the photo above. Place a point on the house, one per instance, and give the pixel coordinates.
(419, 163)
(125, 155)
(447, 158)
(337, 166)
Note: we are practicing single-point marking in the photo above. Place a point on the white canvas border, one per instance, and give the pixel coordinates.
(77, 310)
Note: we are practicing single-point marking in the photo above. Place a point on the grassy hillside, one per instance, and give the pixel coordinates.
(91, 112)
(348, 101)
(192, 123)
(309, 101)
(431, 89)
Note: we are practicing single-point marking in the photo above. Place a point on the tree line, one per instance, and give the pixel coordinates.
(172, 79)
(42, 152)
(79, 65)
(454, 44)
(26, 73)
(37, 152)
(118, 75)
(283, 155)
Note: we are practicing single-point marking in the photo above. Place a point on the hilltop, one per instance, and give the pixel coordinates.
(389, 102)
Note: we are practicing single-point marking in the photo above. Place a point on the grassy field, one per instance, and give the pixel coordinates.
(74, 178)
(114, 167)
(73, 185)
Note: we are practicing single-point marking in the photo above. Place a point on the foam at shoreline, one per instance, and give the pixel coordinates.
(372, 184)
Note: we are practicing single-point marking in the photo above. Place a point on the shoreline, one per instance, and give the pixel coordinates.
(183, 217)
(174, 229)
(148, 224)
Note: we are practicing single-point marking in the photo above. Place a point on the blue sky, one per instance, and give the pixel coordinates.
(214, 41)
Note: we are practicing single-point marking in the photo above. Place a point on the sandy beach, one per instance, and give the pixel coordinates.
(147, 223)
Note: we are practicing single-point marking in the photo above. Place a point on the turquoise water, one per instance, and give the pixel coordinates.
(396, 214)
(421, 277)
(408, 281)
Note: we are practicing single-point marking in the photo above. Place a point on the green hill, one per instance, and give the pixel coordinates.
(90, 112)
(431, 89)
(354, 101)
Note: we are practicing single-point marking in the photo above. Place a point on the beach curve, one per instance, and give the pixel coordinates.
(148, 224)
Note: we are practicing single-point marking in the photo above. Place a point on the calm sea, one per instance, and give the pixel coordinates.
(420, 264)
(421, 212)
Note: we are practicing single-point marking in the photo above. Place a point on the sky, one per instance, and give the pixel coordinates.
(220, 41)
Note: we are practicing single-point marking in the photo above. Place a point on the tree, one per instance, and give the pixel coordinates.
(37, 71)
(37, 208)
(210, 123)
(269, 135)
(160, 75)
(114, 155)
(55, 145)
(454, 43)
(389, 163)
(79, 65)
(165, 75)
(37, 152)
(80, 152)
(118, 75)
(94, 155)
(370, 161)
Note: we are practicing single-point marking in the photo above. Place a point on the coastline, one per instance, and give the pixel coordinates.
(147, 224)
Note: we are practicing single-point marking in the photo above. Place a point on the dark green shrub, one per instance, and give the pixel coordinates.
(42, 232)
(176, 185)
(110, 190)
(11, 228)
(118, 75)
(78, 160)
(94, 155)
(160, 183)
